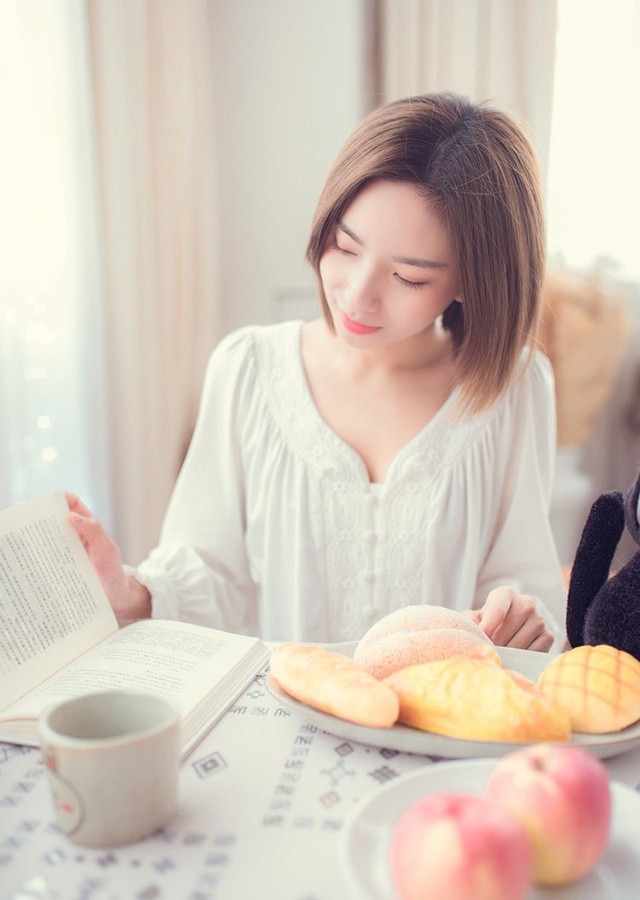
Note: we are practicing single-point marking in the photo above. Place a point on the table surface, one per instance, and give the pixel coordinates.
(263, 800)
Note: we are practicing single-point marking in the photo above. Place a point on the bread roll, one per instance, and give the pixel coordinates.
(420, 634)
(334, 683)
(599, 687)
(470, 698)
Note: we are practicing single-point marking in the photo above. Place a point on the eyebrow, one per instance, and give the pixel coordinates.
(407, 260)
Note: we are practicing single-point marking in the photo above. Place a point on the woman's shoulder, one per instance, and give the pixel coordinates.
(243, 349)
(243, 373)
(533, 374)
(531, 388)
(250, 338)
(530, 393)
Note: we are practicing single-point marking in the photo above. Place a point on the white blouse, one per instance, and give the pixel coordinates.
(274, 528)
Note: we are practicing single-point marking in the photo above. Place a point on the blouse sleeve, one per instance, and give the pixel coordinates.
(522, 553)
(199, 572)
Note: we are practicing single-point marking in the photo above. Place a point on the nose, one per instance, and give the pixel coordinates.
(362, 291)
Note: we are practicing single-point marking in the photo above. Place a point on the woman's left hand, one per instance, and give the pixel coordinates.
(512, 620)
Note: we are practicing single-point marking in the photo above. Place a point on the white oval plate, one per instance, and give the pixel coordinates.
(411, 740)
(366, 837)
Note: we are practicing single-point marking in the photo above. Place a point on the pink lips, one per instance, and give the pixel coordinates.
(356, 327)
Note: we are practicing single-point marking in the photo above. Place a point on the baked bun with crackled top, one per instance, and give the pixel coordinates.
(477, 700)
(599, 687)
(420, 634)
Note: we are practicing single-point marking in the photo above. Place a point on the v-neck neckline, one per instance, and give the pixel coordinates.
(339, 446)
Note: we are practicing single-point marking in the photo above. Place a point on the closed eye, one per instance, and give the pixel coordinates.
(336, 246)
(411, 284)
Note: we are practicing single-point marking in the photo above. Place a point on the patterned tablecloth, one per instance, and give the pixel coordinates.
(263, 800)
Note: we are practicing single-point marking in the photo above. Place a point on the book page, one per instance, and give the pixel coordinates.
(177, 660)
(52, 605)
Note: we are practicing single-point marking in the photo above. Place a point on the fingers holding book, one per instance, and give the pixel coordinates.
(129, 599)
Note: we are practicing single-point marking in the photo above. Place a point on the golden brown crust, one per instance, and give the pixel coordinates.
(335, 684)
(477, 700)
(598, 686)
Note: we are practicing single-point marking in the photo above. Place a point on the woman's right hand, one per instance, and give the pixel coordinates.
(129, 599)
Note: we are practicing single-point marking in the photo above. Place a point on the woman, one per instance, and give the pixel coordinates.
(399, 449)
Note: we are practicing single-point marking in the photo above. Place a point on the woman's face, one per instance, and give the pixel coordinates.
(389, 270)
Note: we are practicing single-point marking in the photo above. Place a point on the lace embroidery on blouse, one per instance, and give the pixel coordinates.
(374, 540)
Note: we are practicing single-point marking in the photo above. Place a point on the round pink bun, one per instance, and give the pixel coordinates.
(420, 634)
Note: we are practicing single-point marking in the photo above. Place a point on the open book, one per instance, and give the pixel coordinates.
(59, 637)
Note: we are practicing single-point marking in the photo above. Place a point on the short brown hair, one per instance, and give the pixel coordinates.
(479, 171)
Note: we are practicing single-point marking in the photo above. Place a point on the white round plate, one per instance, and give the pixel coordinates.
(411, 740)
(366, 836)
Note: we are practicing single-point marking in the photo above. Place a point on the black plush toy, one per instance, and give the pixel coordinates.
(603, 610)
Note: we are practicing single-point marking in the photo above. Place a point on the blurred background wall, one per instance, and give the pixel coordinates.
(293, 81)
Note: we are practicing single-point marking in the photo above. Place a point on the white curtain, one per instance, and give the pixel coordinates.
(594, 177)
(52, 425)
(501, 51)
(155, 112)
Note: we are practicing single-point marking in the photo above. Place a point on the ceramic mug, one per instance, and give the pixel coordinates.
(113, 761)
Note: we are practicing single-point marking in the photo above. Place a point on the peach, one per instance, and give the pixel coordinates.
(454, 846)
(561, 797)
